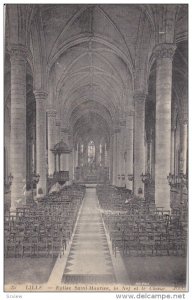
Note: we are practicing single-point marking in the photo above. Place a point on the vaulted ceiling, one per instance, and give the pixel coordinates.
(91, 53)
(89, 57)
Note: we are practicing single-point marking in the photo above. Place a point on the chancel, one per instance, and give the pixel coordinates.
(96, 146)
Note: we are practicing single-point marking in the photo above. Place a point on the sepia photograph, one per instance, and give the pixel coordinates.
(95, 148)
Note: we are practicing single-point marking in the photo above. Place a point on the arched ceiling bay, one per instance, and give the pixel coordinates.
(92, 94)
(89, 67)
(85, 108)
(113, 23)
(91, 126)
(91, 75)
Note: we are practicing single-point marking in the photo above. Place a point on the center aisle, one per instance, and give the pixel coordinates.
(89, 259)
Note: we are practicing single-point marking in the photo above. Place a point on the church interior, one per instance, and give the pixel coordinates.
(96, 144)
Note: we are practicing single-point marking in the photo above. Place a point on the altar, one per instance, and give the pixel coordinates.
(92, 174)
(92, 162)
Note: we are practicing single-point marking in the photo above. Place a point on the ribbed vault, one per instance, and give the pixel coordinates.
(91, 126)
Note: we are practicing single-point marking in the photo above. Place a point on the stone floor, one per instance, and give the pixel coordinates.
(89, 259)
(158, 271)
(27, 270)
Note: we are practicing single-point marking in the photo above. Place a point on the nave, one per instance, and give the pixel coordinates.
(96, 94)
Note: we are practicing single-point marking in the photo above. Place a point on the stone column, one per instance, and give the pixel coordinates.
(7, 135)
(85, 154)
(41, 168)
(18, 126)
(121, 152)
(139, 142)
(118, 158)
(106, 156)
(62, 133)
(184, 146)
(34, 147)
(113, 158)
(58, 135)
(115, 170)
(70, 155)
(129, 149)
(57, 140)
(77, 156)
(150, 156)
(51, 116)
(164, 54)
(74, 162)
(172, 151)
(178, 145)
(80, 154)
(153, 158)
(110, 160)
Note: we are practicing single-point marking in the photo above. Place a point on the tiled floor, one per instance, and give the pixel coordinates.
(89, 259)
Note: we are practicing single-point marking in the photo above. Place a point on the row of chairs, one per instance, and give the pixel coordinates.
(155, 237)
(140, 228)
(45, 228)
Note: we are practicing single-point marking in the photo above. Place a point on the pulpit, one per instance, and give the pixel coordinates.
(60, 176)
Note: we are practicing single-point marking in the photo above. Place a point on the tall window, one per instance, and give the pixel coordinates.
(91, 152)
(81, 148)
(5, 165)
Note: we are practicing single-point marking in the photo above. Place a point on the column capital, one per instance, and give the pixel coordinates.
(139, 96)
(51, 113)
(165, 50)
(17, 53)
(40, 94)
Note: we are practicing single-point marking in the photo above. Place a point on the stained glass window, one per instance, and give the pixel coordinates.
(91, 152)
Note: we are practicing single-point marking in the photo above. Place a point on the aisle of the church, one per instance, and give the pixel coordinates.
(89, 259)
